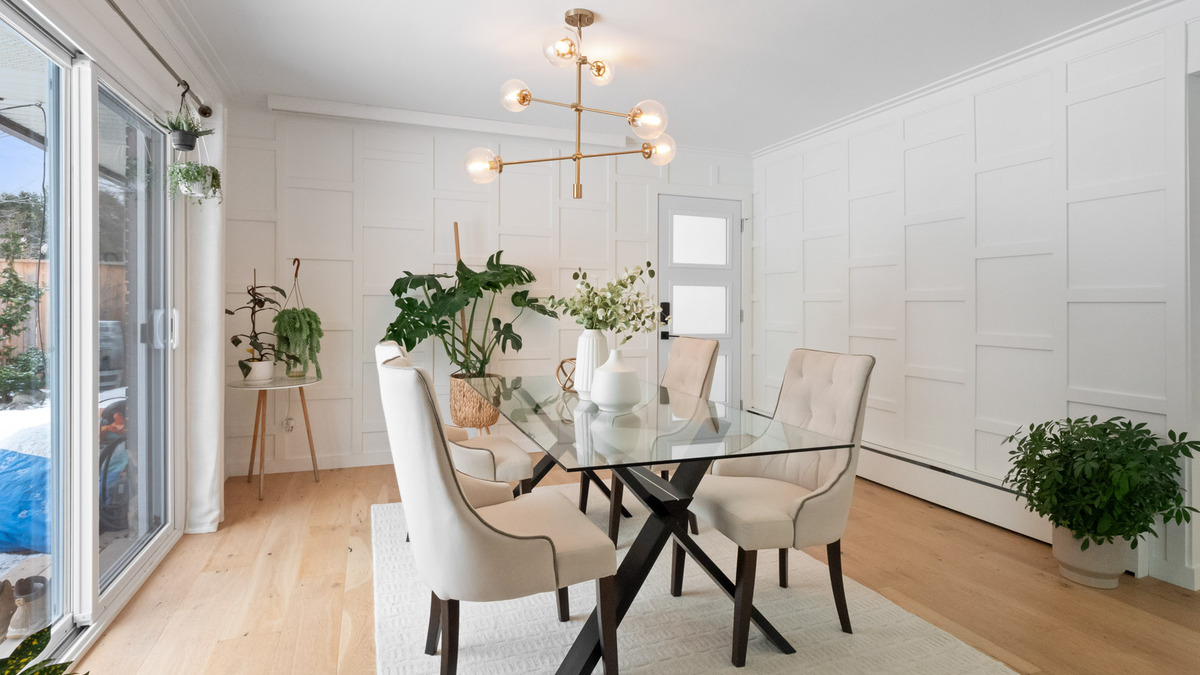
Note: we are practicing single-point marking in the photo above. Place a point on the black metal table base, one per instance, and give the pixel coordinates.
(668, 502)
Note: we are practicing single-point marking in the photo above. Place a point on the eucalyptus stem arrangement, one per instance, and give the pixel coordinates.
(619, 306)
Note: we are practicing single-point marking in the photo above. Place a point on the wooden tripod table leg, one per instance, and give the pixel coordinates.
(312, 451)
(258, 411)
(262, 446)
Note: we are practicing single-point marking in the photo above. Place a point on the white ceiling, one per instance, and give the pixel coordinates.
(733, 75)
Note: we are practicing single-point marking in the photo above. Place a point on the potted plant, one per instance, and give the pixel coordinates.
(199, 181)
(1099, 481)
(298, 334)
(21, 660)
(619, 306)
(259, 366)
(184, 129)
(461, 315)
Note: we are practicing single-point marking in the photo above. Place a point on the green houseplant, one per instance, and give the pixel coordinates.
(183, 128)
(194, 180)
(459, 310)
(259, 343)
(1098, 481)
(21, 661)
(298, 334)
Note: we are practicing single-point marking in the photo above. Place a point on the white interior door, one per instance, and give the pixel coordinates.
(700, 253)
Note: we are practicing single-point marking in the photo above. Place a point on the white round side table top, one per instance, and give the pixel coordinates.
(277, 382)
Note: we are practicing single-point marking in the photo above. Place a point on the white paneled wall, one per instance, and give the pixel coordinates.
(1011, 247)
(361, 202)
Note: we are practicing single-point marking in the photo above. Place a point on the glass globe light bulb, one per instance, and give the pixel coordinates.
(648, 119)
(601, 73)
(560, 47)
(663, 150)
(514, 95)
(481, 165)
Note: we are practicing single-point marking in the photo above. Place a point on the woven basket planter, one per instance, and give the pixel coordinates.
(467, 407)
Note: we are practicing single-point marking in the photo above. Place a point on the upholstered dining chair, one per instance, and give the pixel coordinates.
(490, 546)
(490, 458)
(793, 500)
(691, 364)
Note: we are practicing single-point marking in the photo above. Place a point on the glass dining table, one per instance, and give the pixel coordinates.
(664, 427)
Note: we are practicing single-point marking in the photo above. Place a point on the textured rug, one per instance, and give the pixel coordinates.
(662, 634)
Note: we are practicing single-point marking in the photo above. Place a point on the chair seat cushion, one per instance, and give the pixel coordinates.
(581, 550)
(511, 462)
(755, 513)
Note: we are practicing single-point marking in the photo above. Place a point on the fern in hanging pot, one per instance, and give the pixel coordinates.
(184, 129)
(196, 181)
(298, 338)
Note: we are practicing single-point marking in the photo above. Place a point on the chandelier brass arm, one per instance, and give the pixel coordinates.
(648, 118)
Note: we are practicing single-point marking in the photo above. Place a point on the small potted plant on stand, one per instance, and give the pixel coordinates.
(461, 315)
(260, 365)
(1098, 482)
(623, 308)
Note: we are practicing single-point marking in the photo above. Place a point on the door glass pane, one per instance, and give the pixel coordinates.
(699, 240)
(698, 310)
(31, 454)
(132, 330)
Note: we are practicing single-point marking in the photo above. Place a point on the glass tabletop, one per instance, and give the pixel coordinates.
(665, 426)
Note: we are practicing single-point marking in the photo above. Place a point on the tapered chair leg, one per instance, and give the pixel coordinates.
(743, 604)
(834, 553)
(678, 557)
(435, 624)
(449, 637)
(564, 605)
(525, 486)
(606, 608)
(584, 484)
(614, 509)
(783, 567)
(695, 527)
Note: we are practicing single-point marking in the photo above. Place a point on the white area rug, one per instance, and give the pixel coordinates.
(662, 634)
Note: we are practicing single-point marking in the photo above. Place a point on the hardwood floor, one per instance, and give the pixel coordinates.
(285, 587)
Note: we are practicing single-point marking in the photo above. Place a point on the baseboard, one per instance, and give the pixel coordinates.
(966, 495)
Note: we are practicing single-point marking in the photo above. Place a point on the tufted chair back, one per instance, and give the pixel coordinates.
(457, 554)
(690, 366)
(388, 350)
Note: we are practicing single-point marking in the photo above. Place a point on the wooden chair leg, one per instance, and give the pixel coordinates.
(564, 605)
(449, 637)
(606, 608)
(743, 604)
(526, 486)
(666, 475)
(834, 553)
(678, 557)
(695, 527)
(783, 567)
(614, 509)
(584, 485)
(435, 624)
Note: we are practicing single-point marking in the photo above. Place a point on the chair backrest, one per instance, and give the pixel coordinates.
(690, 366)
(823, 392)
(388, 350)
(458, 555)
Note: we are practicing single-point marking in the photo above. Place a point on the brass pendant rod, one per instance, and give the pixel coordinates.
(542, 100)
(577, 192)
(535, 161)
(639, 151)
(580, 107)
(606, 112)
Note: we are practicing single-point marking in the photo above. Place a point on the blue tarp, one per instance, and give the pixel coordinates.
(24, 502)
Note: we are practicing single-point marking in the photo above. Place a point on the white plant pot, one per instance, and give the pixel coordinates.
(615, 387)
(260, 371)
(1098, 567)
(589, 354)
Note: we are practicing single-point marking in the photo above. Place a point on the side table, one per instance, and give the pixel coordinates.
(259, 438)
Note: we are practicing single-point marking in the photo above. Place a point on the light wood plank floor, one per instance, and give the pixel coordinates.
(285, 587)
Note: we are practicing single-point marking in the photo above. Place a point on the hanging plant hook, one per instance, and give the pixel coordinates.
(296, 262)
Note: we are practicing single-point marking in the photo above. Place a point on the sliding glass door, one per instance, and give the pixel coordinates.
(134, 331)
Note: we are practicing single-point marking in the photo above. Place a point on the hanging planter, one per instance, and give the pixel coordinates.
(195, 181)
(298, 331)
(184, 129)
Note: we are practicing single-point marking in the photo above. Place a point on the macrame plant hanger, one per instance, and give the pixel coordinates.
(295, 292)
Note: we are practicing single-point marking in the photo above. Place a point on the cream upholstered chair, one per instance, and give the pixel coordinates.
(691, 364)
(490, 458)
(485, 546)
(796, 499)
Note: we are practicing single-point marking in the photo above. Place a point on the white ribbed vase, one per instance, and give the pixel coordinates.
(615, 388)
(589, 354)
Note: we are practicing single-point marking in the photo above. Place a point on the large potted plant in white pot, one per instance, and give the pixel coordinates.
(623, 306)
(1102, 484)
(461, 315)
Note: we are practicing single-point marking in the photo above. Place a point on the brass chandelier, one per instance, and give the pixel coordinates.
(562, 48)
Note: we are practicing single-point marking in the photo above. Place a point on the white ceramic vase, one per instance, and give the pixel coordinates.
(615, 386)
(589, 354)
(260, 371)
